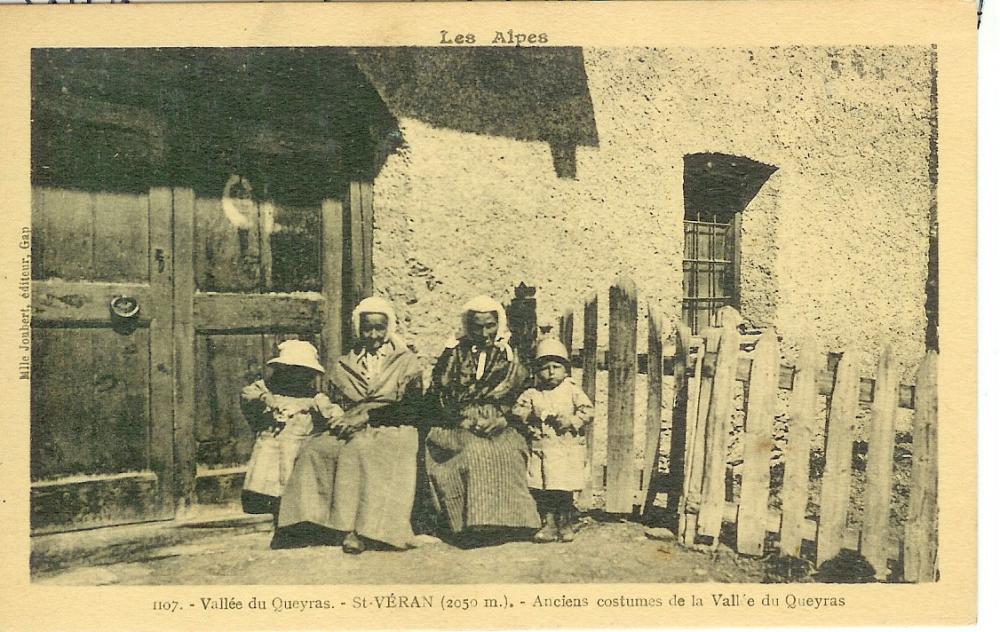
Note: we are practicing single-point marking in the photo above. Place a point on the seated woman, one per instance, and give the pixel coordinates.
(476, 463)
(358, 479)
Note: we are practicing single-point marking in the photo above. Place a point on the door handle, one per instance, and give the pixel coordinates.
(160, 260)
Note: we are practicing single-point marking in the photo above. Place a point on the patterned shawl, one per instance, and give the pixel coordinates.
(458, 392)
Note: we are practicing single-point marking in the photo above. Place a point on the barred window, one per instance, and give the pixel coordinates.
(711, 265)
(717, 188)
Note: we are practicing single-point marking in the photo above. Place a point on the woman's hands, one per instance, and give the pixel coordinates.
(484, 425)
(352, 421)
(489, 427)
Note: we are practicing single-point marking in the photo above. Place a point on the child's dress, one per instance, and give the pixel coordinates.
(557, 459)
(281, 424)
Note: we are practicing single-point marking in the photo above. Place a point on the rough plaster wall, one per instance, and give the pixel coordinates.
(835, 242)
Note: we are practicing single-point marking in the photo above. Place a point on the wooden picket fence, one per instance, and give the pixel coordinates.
(706, 373)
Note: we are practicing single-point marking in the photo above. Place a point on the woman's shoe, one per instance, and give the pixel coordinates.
(549, 531)
(567, 532)
(353, 544)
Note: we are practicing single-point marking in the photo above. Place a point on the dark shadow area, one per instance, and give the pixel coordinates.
(298, 123)
(847, 567)
(722, 182)
(532, 94)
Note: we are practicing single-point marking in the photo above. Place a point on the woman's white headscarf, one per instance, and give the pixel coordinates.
(377, 305)
(486, 304)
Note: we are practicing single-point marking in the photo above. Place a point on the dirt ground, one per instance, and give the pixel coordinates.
(604, 552)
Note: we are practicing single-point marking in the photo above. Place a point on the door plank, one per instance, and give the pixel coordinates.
(232, 312)
(333, 280)
(66, 223)
(94, 502)
(227, 364)
(121, 237)
(185, 367)
(74, 302)
(227, 255)
(161, 346)
(120, 384)
(357, 245)
(62, 408)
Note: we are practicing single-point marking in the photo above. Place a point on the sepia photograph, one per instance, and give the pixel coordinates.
(527, 315)
(390, 315)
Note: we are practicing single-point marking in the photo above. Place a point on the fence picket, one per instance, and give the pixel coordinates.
(836, 486)
(751, 517)
(713, 487)
(920, 539)
(654, 404)
(801, 427)
(589, 386)
(677, 461)
(697, 412)
(878, 471)
(622, 324)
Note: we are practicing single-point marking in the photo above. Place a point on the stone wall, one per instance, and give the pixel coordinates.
(835, 242)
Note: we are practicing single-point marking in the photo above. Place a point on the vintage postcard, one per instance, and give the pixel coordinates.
(489, 316)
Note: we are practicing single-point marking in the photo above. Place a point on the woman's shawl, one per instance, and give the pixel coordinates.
(398, 380)
(457, 392)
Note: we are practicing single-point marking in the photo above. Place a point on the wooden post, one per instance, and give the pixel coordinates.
(751, 517)
(367, 238)
(622, 323)
(161, 348)
(332, 279)
(721, 408)
(801, 427)
(566, 331)
(836, 487)
(654, 406)
(522, 318)
(356, 226)
(589, 382)
(679, 422)
(920, 539)
(589, 386)
(185, 443)
(878, 471)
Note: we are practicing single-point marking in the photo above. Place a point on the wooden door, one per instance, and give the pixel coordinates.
(139, 419)
(259, 272)
(101, 389)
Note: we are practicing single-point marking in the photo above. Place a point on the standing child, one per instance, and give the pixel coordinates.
(556, 413)
(283, 411)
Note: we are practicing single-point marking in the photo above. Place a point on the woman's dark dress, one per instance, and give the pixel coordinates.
(478, 481)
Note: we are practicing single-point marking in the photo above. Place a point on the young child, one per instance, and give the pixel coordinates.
(556, 413)
(283, 412)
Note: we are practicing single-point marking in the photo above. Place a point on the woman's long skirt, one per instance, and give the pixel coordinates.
(365, 485)
(478, 481)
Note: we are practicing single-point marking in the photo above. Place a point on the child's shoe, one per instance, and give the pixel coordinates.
(567, 533)
(549, 531)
